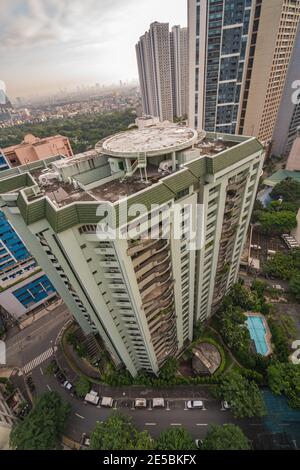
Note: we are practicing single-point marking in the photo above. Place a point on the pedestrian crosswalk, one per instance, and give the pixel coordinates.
(37, 361)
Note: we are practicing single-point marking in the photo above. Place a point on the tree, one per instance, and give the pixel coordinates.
(243, 395)
(169, 369)
(284, 378)
(226, 437)
(294, 287)
(175, 439)
(82, 387)
(233, 329)
(283, 266)
(43, 427)
(84, 131)
(118, 433)
(277, 222)
(288, 190)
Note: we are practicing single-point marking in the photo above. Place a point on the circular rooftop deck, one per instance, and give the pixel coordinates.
(152, 141)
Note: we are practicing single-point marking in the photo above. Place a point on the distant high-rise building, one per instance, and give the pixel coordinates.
(179, 43)
(143, 288)
(5, 104)
(162, 58)
(239, 56)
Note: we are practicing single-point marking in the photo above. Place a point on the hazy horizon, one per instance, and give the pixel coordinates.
(50, 44)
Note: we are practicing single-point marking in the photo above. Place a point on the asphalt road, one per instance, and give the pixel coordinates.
(84, 417)
(31, 342)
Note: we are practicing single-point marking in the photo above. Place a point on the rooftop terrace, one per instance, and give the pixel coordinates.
(82, 181)
(154, 140)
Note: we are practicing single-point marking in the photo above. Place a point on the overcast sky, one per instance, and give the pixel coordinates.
(48, 44)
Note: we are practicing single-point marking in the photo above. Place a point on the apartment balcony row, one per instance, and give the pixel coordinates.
(237, 185)
(156, 282)
(166, 330)
(153, 274)
(161, 344)
(161, 358)
(156, 260)
(159, 291)
(116, 285)
(162, 318)
(105, 251)
(157, 304)
(160, 245)
(112, 275)
(120, 295)
(109, 264)
(165, 307)
(144, 244)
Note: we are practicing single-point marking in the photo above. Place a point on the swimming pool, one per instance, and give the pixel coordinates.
(257, 330)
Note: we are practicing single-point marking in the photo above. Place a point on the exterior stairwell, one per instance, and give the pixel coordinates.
(140, 162)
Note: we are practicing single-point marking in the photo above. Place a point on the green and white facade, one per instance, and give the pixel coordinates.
(141, 294)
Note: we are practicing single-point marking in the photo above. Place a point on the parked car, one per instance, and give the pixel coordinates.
(85, 441)
(195, 404)
(92, 398)
(225, 405)
(198, 443)
(140, 403)
(30, 383)
(158, 403)
(24, 411)
(68, 386)
(61, 377)
(107, 402)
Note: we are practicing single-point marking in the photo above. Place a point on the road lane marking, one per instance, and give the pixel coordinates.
(201, 424)
(150, 424)
(79, 416)
(176, 424)
(37, 361)
(41, 371)
(49, 388)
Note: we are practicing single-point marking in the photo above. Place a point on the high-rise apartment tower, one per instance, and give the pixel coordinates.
(240, 52)
(143, 287)
(162, 58)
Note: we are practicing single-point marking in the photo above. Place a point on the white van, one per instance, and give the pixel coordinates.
(108, 402)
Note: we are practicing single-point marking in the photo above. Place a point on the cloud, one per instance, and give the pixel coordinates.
(49, 43)
(27, 23)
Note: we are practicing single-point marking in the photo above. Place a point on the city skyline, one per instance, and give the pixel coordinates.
(49, 37)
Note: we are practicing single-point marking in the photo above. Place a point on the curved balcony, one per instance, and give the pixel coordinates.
(161, 319)
(154, 310)
(142, 245)
(162, 330)
(156, 260)
(158, 281)
(161, 343)
(147, 254)
(153, 274)
(158, 291)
